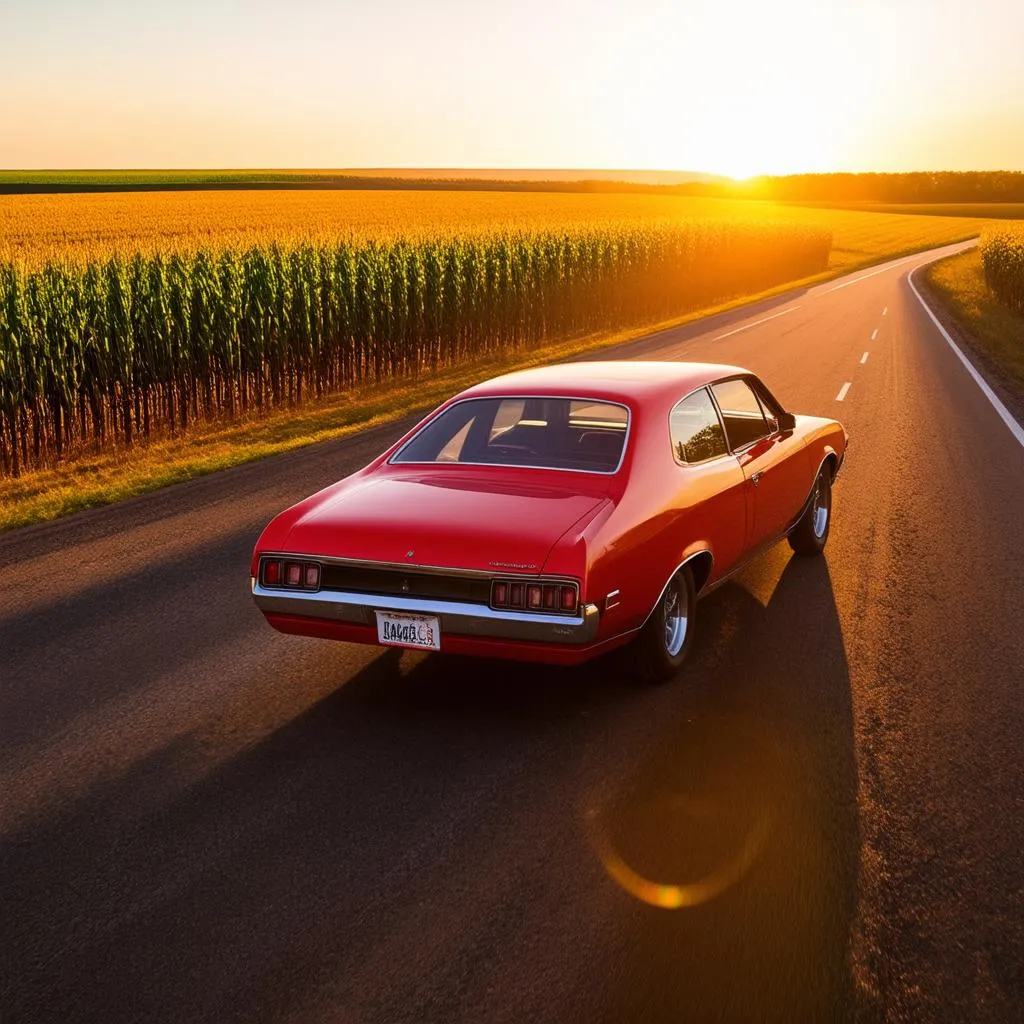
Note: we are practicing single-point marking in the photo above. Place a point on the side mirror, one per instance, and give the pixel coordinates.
(787, 422)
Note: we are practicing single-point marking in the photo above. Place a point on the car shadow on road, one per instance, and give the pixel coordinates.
(369, 846)
(743, 802)
(745, 814)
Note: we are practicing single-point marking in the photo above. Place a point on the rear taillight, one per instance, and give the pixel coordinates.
(541, 595)
(292, 575)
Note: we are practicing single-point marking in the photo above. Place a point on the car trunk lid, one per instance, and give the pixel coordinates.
(446, 519)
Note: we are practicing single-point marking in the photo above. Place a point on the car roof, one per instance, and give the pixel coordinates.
(615, 380)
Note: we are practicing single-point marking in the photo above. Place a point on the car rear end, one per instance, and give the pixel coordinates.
(465, 537)
(534, 617)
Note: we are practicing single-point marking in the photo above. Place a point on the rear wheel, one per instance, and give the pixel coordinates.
(666, 637)
(809, 535)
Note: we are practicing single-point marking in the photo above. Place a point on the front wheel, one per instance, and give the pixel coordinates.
(809, 535)
(666, 637)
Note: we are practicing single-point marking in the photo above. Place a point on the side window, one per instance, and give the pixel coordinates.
(741, 412)
(696, 429)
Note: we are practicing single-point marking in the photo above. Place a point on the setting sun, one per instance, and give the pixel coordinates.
(741, 95)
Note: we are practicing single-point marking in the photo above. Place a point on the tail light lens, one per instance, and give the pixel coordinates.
(277, 572)
(555, 596)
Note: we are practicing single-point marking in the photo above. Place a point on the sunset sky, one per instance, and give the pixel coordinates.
(735, 88)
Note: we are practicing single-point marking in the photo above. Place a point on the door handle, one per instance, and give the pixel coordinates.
(755, 478)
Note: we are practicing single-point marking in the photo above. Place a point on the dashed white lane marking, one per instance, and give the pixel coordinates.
(863, 359)
(1004, 414)
(842, 391)
(874, 334)
(884, 311)
(763, 320)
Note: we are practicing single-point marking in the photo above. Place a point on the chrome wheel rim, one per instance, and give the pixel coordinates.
(819, 509)
(676, 618)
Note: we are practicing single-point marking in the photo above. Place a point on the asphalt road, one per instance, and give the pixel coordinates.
(206, 821)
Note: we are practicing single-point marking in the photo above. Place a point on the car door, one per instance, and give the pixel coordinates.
(712, 490)
(765, 454)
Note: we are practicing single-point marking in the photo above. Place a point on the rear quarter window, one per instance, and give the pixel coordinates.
(696, 430)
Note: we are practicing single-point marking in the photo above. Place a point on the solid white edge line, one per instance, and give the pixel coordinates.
(1004, 414)
(874, 334)
(863, 359)
(842, 391)
(763, 320)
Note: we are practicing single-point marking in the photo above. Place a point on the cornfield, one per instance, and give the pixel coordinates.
(106, 351)
(1002, 256)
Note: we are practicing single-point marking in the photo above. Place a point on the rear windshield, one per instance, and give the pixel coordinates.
(546, 433)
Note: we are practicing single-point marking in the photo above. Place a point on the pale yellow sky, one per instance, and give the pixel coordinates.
(736, 87)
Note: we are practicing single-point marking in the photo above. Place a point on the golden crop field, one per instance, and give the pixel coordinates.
(35, 229)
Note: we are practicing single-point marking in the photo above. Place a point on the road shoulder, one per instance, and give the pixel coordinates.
(955, 292)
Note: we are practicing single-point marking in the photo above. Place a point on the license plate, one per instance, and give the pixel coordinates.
(419, 631)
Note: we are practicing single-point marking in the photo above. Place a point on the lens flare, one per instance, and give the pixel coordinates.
(675, 895)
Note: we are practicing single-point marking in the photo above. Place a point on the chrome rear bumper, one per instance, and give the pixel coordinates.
(453, 616)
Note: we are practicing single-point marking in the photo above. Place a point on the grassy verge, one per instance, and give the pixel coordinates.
(90, 479)
(959, 283)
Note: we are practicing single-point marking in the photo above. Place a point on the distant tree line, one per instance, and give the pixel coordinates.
(913, 187)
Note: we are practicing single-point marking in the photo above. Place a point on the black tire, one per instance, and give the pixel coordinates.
(809, 536)
(661, 648)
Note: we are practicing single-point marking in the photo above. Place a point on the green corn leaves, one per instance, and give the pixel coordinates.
(103, 353)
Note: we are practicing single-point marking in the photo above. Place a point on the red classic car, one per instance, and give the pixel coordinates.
(554, 514)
